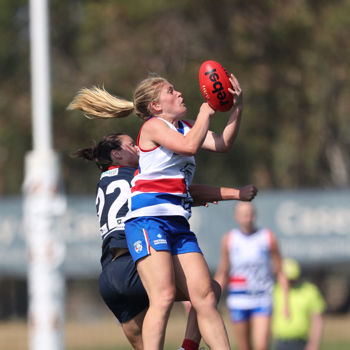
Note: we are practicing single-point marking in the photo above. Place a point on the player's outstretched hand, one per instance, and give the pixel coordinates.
(236, 91)
(247, 193)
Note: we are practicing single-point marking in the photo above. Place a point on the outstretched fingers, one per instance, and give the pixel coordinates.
(236, 88)
(236, 91)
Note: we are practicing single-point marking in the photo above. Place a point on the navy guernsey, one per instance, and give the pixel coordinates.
(112, 205)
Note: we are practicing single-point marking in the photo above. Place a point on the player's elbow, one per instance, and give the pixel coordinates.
(223, 148)
(190, 150)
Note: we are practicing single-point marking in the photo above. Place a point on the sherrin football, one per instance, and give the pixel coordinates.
(214, 83)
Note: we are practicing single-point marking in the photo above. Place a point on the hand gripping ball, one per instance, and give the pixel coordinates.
(214, 83)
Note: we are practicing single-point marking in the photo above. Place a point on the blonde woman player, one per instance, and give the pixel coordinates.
(159, 238)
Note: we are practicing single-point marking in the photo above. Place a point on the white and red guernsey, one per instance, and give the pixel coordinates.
(161, 186)
(251, 277)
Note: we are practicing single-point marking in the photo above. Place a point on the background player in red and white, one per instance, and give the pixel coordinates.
(116, 155)
(249, 261)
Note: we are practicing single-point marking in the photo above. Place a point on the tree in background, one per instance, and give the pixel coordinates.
(291, 58)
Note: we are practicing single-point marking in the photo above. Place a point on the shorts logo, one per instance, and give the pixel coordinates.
(138, 246)
(160, 241)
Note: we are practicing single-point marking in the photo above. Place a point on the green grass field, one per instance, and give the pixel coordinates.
(327, 346)
(103, 333)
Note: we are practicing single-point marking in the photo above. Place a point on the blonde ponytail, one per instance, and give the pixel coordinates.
(98, 103)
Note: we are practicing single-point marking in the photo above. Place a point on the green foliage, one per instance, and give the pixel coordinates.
(291, 58)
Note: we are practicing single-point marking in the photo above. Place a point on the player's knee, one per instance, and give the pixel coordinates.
(204, 300)
(165, 298)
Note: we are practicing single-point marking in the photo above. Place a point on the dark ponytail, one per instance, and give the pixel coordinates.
(101, 153)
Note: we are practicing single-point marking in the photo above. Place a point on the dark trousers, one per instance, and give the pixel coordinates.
(290, 344)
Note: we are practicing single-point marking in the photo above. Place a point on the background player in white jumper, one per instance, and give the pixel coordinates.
(249, 260)
(157, 230)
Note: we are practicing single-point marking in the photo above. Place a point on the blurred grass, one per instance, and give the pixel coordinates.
(101, 332)
(327, 346)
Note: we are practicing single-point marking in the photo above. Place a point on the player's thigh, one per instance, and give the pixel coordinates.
(261, 331)
(242, 332)
(192, 274)
(157, 274)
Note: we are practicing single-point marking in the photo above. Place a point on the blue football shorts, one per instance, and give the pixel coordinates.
(170, 233)
(243, 315)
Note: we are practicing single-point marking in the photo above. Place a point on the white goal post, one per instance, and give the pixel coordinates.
(43, 202)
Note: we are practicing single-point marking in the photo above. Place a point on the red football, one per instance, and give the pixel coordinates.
(214, 83)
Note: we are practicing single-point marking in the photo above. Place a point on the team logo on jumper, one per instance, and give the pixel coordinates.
(138, 246)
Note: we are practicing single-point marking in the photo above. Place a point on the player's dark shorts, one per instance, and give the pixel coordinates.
(121, 288)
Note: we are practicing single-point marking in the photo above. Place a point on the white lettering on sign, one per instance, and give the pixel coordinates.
(295, 219)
